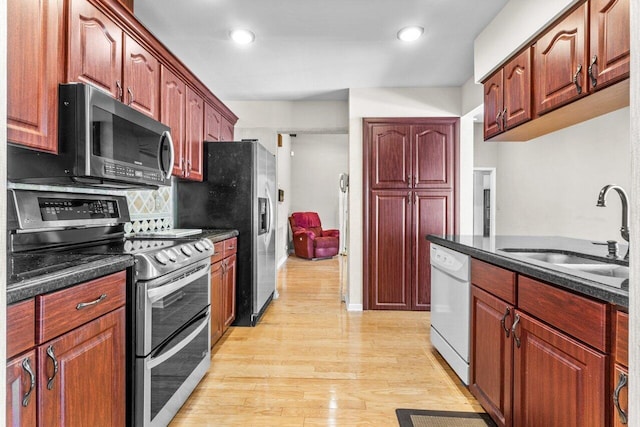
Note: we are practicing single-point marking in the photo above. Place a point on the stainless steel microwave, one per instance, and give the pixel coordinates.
(101, 141)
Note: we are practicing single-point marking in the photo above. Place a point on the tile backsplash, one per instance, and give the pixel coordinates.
(149, 210)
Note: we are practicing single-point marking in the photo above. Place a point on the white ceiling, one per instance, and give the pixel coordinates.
(317, 49)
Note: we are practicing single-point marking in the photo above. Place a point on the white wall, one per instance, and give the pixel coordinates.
(514, 26)
(318, 160)
(549, 185)
(284, 183)
(378, 102)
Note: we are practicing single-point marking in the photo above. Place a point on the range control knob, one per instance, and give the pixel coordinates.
(172, 255)
(186, 250)
(207, 244)
(161, 258)
(200, 247)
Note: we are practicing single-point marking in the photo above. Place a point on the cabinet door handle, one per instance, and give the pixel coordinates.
(89, 304)
(409, 180)
(502, 322)
(504, 119)
(119, 86)
(26, 365)
(52, 356)
(592, 77)
(575, 79)
(130, 92)
(498, 121)
(513, 330)
(622, 382)
(408, 198)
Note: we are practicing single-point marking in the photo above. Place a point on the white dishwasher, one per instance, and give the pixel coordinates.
(450, 307)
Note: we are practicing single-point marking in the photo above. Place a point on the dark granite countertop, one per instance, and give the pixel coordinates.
(608, 289)
(218, 235)
(29, 275)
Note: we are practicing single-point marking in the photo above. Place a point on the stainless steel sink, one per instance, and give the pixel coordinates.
(574, 261)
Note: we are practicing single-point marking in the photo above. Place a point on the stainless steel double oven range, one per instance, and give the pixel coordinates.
(168, 303)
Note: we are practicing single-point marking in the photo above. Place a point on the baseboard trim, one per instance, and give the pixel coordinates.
(281, 262)
(354, 307)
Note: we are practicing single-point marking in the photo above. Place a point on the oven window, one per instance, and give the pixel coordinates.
(176, 309)
(118, 139)
(167, 377)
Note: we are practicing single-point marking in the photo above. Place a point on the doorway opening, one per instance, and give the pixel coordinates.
(484, 202)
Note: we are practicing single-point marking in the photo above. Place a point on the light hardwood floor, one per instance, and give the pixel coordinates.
(309, 362)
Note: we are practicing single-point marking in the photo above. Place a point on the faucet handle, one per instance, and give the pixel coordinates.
(612, 248)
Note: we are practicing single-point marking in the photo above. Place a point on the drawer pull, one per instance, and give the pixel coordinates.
(32, 385)
(622, 382)
(89, 304)
(502, 321)
(592, 76)
(576, 81)
(513, 330)
(52, 356)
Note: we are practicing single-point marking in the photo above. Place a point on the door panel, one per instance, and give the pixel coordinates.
(95, 49)
(491, 355)
(18, 386)
(141, 79)
(610, 41)
(34, 40)
(572, 373)
(432, 214)
(390, 157)
(433, 151)
(560, 55)
(493, 105)
(194, 134)
(517, 90)
(173, 94)
(390, 249)
(212, 123)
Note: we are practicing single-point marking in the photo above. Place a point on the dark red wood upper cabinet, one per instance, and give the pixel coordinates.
(141, 77)
(390, 156)
(194, 120)
(34, 45)
(212, 123)
(173, 102)
(517, 91)
(226, 130)
(493, 105)
(561, 62)
(95, 48)
(610, 43)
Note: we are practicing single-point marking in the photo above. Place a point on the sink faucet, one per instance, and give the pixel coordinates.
(624, 229)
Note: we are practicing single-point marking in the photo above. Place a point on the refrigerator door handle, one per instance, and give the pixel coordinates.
(269, 210)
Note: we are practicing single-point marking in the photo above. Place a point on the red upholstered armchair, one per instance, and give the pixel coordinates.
(309, 239)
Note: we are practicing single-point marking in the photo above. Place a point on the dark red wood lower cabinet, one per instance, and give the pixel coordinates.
(558, 382)
(491, 355)
(21, 393)
(81, 373)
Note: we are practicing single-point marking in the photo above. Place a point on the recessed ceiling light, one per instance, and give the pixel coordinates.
(409, 34)
(242, 36)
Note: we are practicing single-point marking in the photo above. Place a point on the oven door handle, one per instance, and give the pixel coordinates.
(160, 292)
(155, 361)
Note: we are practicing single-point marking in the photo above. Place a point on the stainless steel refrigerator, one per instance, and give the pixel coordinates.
(238, 191)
